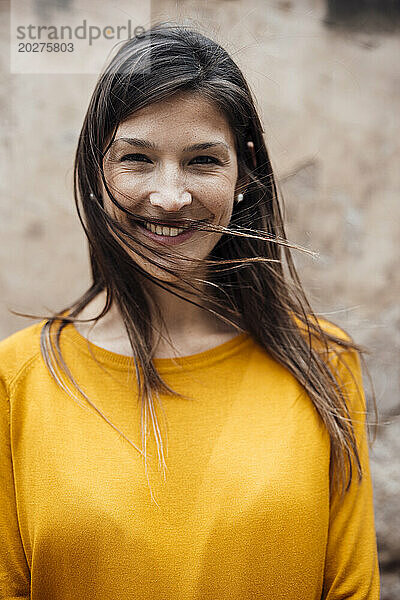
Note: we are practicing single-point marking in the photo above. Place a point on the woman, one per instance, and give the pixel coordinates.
(255, 479)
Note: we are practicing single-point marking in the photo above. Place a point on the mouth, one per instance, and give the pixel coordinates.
(168, 229)
(168, 233)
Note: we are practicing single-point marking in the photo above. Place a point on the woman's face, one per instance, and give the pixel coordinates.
(172, 160)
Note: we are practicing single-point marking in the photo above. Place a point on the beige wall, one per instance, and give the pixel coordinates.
(330, 104)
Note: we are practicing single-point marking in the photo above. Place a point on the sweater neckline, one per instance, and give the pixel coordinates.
(123, 361)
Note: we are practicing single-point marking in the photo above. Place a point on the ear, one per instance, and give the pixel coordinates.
(250, 145)
(241, 185)
(243, 179)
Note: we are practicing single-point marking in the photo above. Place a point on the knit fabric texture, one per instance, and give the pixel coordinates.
(242, 513)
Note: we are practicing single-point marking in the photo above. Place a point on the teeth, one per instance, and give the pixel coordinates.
(169, 231)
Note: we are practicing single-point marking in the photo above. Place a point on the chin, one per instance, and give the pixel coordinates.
(164, 276)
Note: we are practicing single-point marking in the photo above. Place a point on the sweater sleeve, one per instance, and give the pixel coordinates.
(14, 570)
(351, 564)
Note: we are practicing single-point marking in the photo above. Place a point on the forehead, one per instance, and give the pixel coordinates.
(179, 116)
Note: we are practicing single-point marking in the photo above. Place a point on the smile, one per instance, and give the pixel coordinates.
(162, 230)
(166, 235)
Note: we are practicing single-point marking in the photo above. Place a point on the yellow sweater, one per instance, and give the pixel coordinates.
(243, 513)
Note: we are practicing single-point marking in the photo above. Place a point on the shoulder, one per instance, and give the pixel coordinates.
(333, 329)
(344, 360)
(325, 335)
(343, 353)
(18, 350)
(338, 350)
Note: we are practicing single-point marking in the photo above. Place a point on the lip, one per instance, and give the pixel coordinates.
(167, 223)
(170, 223)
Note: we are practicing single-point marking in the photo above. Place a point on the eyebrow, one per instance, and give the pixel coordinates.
(151, 146)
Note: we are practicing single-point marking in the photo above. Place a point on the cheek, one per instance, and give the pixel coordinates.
(219, 200)
(125, 194)
(124, 186)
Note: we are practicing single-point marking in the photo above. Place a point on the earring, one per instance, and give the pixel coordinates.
(239, 198)
(92, 196)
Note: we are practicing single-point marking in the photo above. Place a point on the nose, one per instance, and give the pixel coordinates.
(170, 200)
(169, 189)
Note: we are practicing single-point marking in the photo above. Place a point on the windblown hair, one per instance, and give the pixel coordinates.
(251, 278)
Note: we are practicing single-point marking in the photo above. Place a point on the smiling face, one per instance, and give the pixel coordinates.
(169, 161)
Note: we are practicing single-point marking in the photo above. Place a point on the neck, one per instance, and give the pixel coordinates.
(190, 328)
(181, 319)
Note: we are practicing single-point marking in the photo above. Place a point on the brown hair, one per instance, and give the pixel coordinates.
(252, 281)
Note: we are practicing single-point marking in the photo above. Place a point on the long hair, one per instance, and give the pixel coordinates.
(251, 279)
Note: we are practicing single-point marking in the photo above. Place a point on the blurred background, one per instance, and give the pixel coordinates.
(326, 77)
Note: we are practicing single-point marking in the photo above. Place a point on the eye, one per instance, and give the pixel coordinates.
(213, 160)
(134, 157)
(204, 160)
